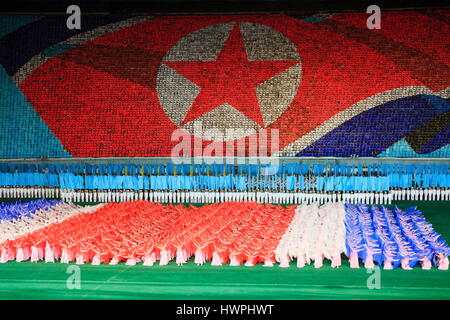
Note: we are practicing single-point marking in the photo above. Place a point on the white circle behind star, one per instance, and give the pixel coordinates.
(176, 94)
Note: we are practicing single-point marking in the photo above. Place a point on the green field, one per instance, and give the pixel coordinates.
(41, 280)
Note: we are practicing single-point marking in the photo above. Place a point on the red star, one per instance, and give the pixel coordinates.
(231, 79)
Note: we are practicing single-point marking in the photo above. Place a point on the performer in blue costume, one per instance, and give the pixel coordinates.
(389, 248)
(440, 250)
(407, 255)
(371, 250)
(354, 241)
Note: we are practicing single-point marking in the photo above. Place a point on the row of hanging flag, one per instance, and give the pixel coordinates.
(303, 168)
(287, 183)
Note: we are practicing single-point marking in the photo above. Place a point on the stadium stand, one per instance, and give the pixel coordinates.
(107, 135)
(121, 86)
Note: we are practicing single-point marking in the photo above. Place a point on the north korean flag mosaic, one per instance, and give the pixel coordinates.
(325, 83)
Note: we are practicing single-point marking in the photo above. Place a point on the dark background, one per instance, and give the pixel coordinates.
(208, 6)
